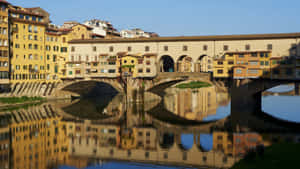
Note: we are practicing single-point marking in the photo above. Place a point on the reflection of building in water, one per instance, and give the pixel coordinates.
(192, 104)
(38, 138)
(140, 144)
(89, 136)
(4, 145)
(139, 138)
(236, 144)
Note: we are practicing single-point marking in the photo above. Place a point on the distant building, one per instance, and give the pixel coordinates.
(102, 29)
(69, 24)
(137, 33)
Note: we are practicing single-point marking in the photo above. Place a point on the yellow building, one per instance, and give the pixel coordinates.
(223, 142)
(4, 55)
(53, 55)
(246, 64)
(38, 141)
(28, 44)
(128, 65)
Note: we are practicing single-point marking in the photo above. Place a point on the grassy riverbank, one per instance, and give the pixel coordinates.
(193, 85)
(277, 156)
(14, 100)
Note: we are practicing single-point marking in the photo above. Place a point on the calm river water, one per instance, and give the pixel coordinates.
(185, 128)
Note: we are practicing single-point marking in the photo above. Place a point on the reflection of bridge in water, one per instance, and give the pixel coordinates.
(145, 139)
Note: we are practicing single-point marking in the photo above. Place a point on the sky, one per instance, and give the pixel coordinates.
(179, 17)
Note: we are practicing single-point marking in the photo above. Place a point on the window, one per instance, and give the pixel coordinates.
(253, 63)
(129, 48)
(267, 63)
(205, 47)
(147, 154)
(94, 48)
(29, 28)
(33, 18)
(254, 54)
(166, 48)
(35, 29)
(73, 49)
(21, 16)
(112, 71)
(140, 61)
(262, 55)
(111, 48)
(148, 70)
(230, 62)
(147, 48)
(64, 39)
(269, 47)
(225, 47)
(238, 71)
(185, 48)
(241, 55)
(262, 63)
(77, 72)
(220, 71)
(247, 47)
(220, 62)
(266, 55)
(140, 70)
(148, 62)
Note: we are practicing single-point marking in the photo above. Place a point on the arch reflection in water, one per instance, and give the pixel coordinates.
(197, 104)
(42, 137)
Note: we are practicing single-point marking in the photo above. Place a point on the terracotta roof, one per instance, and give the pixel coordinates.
(64, 30)
(53, 33)
(193, 38)
(243, 52)
(4, 1)
(239, 66)
(150, 54)
(95, 34)
(88, 27)
(28, 21)
(19, 11)
(122, 53)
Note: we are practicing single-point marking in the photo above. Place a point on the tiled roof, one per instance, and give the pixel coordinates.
(26, 12)
(193, 38)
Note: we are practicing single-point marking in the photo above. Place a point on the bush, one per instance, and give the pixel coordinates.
(193, 85)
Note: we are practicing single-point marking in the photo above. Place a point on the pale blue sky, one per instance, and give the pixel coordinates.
(180, 17)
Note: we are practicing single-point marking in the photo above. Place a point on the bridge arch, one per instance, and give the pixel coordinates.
(185, 141)
(84, 85)
(166, 64)
(166, 140)
(203, 63)
(185, 64)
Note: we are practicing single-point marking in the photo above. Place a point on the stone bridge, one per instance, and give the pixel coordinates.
(246, 104)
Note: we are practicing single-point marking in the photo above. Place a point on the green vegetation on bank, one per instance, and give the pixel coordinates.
(193, 85)
(13, 100)
(277, 156)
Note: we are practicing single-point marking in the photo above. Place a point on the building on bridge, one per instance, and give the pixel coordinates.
(256, 64)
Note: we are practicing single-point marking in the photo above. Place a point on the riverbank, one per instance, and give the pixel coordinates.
(277, 156)
(8, 102)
